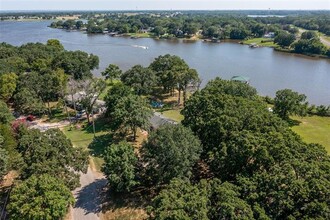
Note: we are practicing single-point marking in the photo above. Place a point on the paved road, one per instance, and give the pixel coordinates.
(88, 196)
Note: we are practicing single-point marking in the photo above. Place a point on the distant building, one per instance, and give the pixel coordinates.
(99, 105)
(269, 35)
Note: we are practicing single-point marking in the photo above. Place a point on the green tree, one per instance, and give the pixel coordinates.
(9, 144)
(51, 153)
(284, 39)
(5, 115)
(27, 102)
(132, 112)
(76, 63)
(7, 85)
(167, 69)
(180, 200)
(115, 93)
(119, 167)
(233, 88)
(238, 33)
(40, 197)
(225, 202)
(140, 78)
(288, 102)
(79, 24)
(3, 159)
(170, 152)
(311, 46)
(112, 72)
(307, 35)
(55, 43)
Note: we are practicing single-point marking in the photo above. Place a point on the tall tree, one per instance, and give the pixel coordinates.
(5, 114)
(7, 85)
(288, 102)
(170, 152)
(132, 112)
(119, 166)
(181, 200)
(40, 197)
(115, 93)
(284, 39)
(167, 69)
(51, 153)
(186, 79)
(112, 72)
(3, 159)
(141, 79)
(76, 63)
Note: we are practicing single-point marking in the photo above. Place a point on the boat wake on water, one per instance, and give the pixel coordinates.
(142, 47)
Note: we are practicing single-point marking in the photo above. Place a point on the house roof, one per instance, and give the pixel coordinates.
(240, 78)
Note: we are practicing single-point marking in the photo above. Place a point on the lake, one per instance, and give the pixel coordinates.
(267, 69)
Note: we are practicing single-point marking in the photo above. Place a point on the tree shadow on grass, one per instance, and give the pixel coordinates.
(100, 143)
(101, 124)
(293, 122)
(130, 202)
(91, 197)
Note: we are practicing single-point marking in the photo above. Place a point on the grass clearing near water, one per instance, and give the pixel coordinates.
(259, 41)
(314, 129)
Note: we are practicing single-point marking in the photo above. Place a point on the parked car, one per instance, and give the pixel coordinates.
(31, 118)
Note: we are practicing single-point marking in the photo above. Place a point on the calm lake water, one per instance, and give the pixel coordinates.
(268, 70)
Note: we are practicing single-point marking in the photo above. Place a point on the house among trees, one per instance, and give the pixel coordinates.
(77, 98)
(269, 35)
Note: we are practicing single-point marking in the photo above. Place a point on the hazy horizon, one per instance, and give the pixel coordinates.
(129, 5)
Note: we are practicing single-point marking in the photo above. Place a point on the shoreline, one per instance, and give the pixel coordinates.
(205, 40)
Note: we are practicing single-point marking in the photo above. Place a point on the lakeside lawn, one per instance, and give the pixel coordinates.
(259, 42)
(314, 129)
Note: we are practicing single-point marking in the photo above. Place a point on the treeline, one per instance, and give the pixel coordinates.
(309, 43)
(212, 24)
(35, 74)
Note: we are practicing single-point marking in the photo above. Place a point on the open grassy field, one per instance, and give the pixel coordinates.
(259, 42)
(314, 129)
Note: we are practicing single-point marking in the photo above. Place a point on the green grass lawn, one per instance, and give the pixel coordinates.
(173, 114)
(143, 35)
(258, 41)
(314, 129)
(84, 137)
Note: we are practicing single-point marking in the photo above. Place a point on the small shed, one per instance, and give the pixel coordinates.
(242, 79)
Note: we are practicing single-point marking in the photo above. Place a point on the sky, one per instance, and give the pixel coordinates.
(163, 4)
